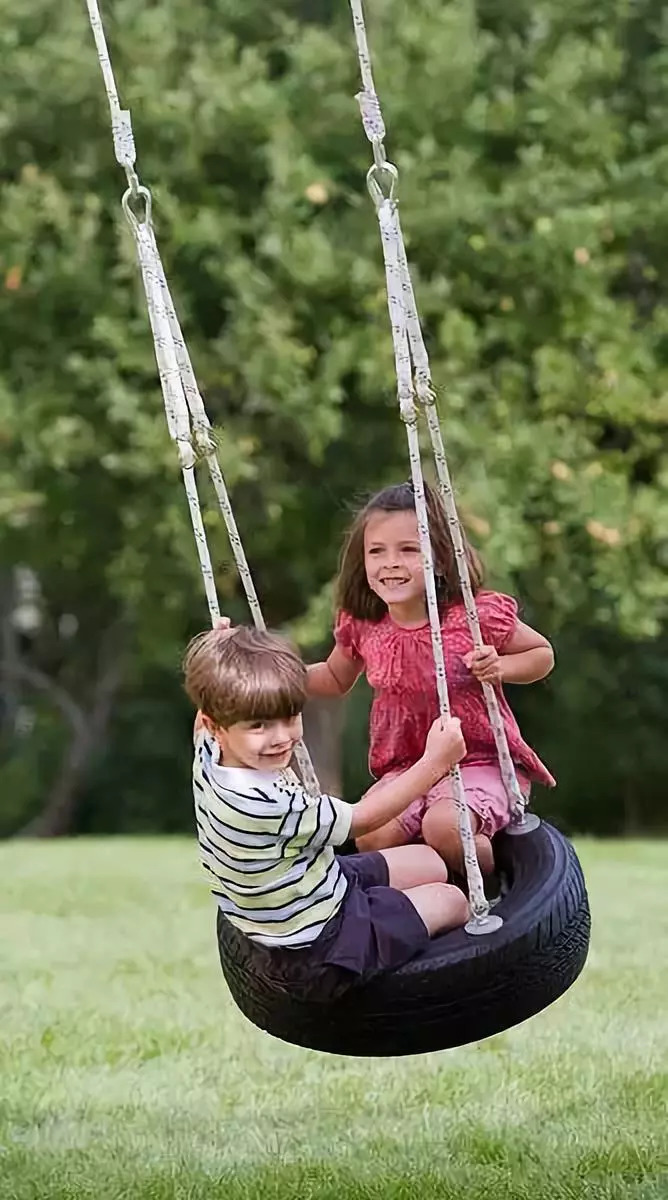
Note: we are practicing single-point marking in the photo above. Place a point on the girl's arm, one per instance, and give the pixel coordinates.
(526, 658)
(335, 677)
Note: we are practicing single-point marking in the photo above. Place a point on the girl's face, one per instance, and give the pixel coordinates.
(393, 562)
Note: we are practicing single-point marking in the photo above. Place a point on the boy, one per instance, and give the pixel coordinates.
(319, 923)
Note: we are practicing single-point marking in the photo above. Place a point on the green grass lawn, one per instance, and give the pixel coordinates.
(127, 1074)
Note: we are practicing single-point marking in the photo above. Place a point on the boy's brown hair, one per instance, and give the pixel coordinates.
(244, 674)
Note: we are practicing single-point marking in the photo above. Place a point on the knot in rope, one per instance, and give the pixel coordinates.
(124, 142)
(203, 440)
(372, 117)
(425, 392)
(187, 456)
(407, 410)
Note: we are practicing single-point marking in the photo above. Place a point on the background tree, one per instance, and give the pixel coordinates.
(530, 142)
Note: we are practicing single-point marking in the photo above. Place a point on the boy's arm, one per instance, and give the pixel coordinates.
(316, 821)
(445, 747)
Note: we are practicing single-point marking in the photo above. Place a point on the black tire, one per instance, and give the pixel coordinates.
(462, 988)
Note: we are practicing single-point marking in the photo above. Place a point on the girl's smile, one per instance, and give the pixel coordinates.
(393, 563)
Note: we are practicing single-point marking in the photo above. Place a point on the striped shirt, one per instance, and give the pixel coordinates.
(267, 848)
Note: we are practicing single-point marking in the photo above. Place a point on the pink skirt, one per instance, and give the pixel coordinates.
(485, 796)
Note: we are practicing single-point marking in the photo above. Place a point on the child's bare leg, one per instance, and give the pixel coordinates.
(411, 866)
(441, 905)
(392, 834)
(440, 829)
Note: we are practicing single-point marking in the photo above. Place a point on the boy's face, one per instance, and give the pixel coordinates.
(258, 745)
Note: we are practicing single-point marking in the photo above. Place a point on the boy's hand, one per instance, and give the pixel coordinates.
(485, 664)
(445, 744)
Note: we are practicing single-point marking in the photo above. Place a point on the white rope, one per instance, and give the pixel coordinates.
(372, 117)
(187, 421)
(202, 435)
(176, 409)
(417, 353)
(425, 393)
(391, 242)
(206, 447)
(121, 121)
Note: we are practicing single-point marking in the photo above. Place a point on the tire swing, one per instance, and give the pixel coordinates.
(503, 966)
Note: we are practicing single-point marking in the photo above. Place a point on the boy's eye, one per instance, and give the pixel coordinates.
(256, 726)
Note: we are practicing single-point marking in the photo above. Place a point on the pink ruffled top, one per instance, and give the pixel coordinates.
(399, 666)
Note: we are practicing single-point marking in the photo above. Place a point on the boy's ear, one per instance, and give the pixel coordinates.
(208, 724)
(204, 722)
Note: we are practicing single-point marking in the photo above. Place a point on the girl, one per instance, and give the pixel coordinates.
(382, 629)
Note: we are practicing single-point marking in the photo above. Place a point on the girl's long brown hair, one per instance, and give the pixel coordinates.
(353, 593)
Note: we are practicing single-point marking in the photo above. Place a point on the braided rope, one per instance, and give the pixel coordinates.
(391, 241)
(427, 398)
(121, 121)
(187, 421)
(375, 130)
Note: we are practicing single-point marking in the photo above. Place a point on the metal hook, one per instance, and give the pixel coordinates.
(375, 174)
(142, 194)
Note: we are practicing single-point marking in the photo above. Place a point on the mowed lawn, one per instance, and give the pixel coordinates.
(127, 1074)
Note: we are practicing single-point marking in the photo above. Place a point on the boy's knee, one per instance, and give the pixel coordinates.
(455, 903)
(445, 908)
(433, 865)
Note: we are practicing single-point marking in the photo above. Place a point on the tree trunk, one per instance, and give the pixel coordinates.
(632, 822)
(88, 726)
(9, 651)
(323, 724)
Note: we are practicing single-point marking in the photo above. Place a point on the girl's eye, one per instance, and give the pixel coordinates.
(375, 550)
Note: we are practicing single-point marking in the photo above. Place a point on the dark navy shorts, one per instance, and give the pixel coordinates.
(376, 929)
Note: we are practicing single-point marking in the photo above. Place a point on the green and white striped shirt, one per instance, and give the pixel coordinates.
(267, 848)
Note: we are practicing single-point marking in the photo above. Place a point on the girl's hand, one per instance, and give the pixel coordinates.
(485, 664)
(222, 623)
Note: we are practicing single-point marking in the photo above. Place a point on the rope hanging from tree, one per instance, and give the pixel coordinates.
(414, 382)
(190, 429)
(460, 993)
(187, 421)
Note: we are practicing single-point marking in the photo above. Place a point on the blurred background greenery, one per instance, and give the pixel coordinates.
(531, 143)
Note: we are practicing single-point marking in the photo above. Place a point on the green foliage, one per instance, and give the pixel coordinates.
(530, 141)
